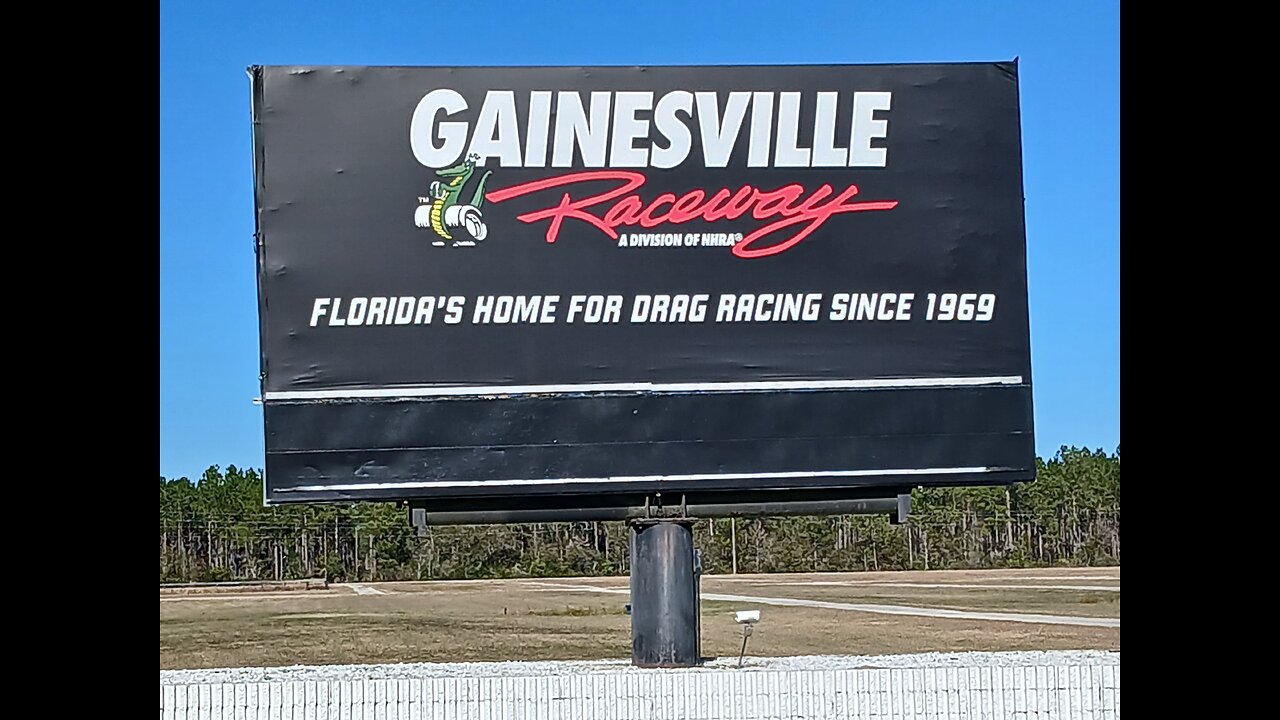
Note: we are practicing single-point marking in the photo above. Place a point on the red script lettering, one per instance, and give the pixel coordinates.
(788, 204)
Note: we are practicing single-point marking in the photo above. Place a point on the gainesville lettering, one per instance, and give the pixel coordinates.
(788, 204)
(605, 135)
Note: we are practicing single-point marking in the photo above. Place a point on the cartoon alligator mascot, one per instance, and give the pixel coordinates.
(442, 212)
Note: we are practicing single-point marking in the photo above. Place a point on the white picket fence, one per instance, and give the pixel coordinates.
(1027, 692)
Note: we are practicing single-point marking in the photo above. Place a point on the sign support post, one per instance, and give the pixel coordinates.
(664, 594)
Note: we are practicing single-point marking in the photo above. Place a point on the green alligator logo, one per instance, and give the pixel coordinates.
(463, 224)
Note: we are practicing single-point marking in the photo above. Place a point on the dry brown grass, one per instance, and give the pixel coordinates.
(522, 620)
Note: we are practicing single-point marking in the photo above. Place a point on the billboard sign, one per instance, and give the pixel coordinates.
(518, 282)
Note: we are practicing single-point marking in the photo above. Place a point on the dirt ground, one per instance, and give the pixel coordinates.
(562, 619)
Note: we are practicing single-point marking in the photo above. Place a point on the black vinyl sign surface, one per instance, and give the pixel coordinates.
(480, 282)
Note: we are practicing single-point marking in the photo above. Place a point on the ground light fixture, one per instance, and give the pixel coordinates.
(747, 619)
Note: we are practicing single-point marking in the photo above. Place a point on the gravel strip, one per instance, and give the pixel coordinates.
(405, 671)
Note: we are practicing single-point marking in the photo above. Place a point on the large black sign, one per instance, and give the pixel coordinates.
(480, 282)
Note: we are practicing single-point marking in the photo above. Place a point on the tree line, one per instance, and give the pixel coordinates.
(216, 528)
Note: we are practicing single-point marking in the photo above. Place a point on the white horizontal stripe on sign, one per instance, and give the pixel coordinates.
(453, 391)
(636, 479)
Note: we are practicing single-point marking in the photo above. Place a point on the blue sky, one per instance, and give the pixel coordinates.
(1070, 91)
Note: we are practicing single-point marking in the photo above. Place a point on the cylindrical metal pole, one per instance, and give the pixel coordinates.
(664, 595)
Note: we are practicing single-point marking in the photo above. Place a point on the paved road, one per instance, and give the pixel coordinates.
(879, 609)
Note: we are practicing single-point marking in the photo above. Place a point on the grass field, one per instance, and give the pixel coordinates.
(583, 618)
